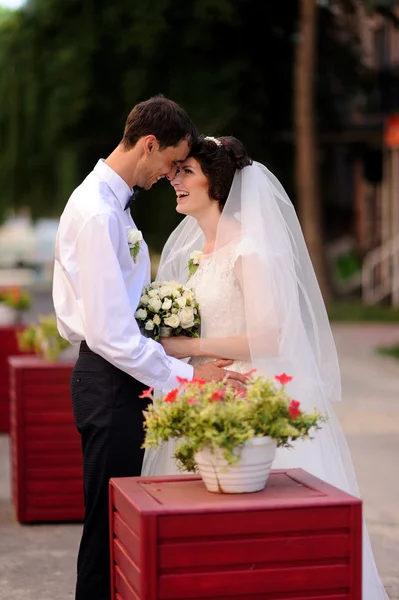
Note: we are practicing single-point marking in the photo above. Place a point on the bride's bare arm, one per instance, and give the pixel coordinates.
(236, 348)
(184, 347)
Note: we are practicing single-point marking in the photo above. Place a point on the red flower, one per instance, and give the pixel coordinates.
(249, 373)
(192, 401)
(293, 409)
(147, 393)
(181, 380)
(216, 396)
(199, 381)
(283, 378)
(15, 295)
(171, 397)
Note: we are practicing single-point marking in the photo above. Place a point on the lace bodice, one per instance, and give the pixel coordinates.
(220, 299)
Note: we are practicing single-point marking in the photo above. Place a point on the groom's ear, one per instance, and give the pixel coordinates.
(150, 143)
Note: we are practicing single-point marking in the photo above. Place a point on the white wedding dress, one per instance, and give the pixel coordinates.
(222, 311)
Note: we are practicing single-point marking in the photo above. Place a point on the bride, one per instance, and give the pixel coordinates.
(259, 301)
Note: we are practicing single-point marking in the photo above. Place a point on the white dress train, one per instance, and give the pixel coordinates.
(222, 312)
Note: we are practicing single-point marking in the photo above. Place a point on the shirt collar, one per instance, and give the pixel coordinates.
(118, 185)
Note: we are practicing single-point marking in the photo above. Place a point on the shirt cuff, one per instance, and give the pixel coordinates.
(179, 369)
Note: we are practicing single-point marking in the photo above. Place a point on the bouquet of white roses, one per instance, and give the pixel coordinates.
(168, 308)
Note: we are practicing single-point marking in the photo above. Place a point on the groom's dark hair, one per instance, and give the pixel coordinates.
(161, 117)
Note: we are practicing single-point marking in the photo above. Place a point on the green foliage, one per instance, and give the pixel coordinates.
(43, 338)
(71, 71)
(347, 311)
(4, 13)
(213, 415)
(17, 299)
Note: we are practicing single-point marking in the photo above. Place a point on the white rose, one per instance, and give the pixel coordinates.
(167, 304)
(188, 296)
(181, 302)
(134, 236)
(174, 311)
(141, 314)
(149, 325)
(196, 257)
(164, 291)
(172, 321)
(153, 293)
(174, 284)
(176, 293)
(144, 299)
(157, 284)
(186, 316)
(157, 320)
(155, 304)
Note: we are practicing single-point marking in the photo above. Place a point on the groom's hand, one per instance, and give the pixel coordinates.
(214, 371)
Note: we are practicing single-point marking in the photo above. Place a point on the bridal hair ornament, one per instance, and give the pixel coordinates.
(213, 139)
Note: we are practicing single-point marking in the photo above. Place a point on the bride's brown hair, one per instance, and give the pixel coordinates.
(219, 162)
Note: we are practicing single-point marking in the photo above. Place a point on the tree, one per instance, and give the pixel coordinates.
(306, 170)
(69, 77)
(70, 73)
(4, 13)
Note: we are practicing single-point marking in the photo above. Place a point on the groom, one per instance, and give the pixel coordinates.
(96, 289)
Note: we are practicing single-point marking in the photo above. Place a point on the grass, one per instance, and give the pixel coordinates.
(389, 351)
(353, 311)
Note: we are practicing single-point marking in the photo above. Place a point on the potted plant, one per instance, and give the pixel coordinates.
(45, 445)
(230, 437)
(13, 303)
(42, 338)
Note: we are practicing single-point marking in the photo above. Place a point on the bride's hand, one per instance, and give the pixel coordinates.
(180, 346)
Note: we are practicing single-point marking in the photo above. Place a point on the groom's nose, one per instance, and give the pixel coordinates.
(173, 172)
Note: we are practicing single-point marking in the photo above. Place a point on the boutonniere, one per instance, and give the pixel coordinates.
(193, 263)
(134, 239)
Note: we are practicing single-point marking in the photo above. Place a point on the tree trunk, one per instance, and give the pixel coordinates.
(306, 175)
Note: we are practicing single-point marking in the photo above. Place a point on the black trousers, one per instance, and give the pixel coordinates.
(108, 416)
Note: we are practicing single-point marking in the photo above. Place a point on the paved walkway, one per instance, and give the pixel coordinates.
(370, 418)
(38, 562)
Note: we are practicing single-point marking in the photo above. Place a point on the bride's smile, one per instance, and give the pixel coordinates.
(192, 189)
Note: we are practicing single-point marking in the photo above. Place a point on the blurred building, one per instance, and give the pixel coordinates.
(361, 172)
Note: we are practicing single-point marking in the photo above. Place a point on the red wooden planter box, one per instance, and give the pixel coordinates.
(47, 479)
(172, 540)
(8, 347)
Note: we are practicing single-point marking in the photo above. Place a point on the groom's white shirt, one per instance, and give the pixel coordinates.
(97, 285)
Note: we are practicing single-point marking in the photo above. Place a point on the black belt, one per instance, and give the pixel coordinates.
(84, 348)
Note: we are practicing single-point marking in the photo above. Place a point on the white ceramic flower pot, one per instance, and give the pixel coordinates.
(8, 315)
(248, 475)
